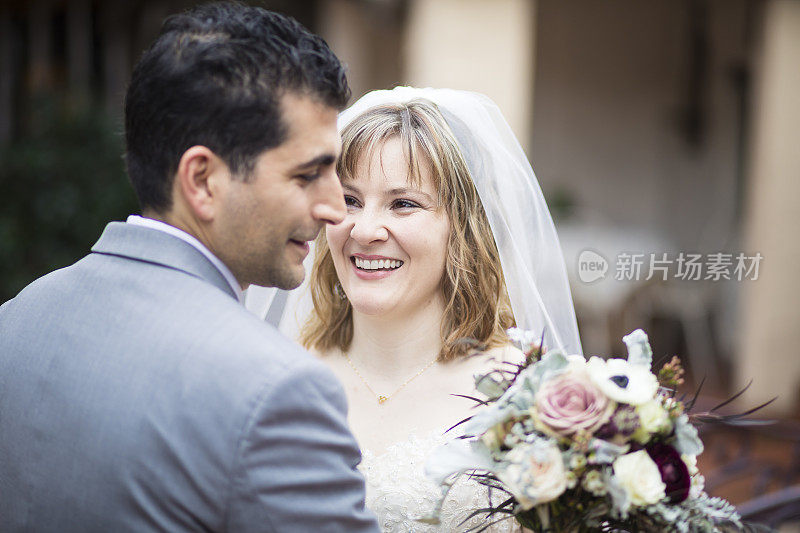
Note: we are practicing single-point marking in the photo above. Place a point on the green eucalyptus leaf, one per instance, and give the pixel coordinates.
(487, 385)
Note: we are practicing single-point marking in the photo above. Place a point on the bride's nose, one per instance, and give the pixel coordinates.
(368, 227)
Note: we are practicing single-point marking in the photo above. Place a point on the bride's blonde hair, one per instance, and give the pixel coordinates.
(477, 307)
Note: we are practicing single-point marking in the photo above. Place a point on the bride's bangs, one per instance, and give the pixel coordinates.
(366, 132)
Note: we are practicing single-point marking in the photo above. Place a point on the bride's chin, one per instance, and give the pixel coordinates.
(370, 306)
(369, 309)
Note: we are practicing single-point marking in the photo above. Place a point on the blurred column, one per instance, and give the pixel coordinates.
(6, 76)
(344, 27)
(79, 48)
(771, 314)
(366, 36)
(480, 45)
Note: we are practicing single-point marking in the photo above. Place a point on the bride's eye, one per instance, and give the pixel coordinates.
(350, 201)
(404, 204)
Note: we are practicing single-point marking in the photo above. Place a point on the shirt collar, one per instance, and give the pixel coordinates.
(182, 235)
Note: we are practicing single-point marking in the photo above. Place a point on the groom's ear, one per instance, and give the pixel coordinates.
(199, 181)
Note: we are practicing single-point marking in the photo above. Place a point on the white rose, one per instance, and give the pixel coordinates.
(534, 473)
(622, 381)
(653, 418)
(639, 476)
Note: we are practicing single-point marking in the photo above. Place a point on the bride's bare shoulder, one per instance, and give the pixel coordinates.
(460, 374)
(506, 352)
(495, 357)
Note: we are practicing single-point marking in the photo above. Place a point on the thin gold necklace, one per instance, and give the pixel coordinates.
(381, 398)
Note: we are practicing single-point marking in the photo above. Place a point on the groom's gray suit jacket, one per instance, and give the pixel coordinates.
(137, 394)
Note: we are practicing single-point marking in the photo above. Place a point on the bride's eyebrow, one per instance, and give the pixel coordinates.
(402, 191)
(350, 188)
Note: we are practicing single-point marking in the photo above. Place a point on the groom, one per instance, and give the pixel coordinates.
(136, 392)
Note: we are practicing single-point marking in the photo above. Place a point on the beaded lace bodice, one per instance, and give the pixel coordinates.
(398, 491)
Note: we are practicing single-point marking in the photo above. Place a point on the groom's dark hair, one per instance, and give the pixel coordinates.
(214, 77)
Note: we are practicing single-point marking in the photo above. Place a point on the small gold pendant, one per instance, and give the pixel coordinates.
(382, 399)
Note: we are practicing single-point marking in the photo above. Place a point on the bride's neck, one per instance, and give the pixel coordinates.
(394, 345)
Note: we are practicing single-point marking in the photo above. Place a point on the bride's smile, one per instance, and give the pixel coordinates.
(374, 266)
(390, 250)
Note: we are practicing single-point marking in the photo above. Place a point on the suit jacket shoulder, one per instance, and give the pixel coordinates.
(137, 394)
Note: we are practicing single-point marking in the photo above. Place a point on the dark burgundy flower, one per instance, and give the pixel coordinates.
(674, 472)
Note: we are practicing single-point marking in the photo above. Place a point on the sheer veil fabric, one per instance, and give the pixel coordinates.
(530, 253)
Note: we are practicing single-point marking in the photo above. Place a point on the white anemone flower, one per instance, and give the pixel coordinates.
(622, 381)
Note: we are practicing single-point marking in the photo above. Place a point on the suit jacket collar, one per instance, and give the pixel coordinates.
(153, 246)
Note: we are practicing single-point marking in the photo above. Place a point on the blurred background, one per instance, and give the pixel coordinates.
(658, 129)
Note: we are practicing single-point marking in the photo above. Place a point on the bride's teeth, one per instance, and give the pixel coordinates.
(377, 264)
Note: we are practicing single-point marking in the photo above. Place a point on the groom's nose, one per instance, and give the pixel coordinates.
(329, 204)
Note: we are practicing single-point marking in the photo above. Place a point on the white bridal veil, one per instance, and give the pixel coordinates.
(530, 254)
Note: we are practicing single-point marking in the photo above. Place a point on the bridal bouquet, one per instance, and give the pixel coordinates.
(576, 445)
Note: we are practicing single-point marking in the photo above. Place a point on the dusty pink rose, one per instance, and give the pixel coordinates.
(570, 403)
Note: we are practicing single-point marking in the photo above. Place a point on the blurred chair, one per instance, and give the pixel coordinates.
(760, 464)
(780, 508)
(692, 305)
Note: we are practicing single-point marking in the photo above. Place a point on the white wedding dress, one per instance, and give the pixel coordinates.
(398, 491)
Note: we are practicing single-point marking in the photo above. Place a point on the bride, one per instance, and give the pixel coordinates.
(447, 243)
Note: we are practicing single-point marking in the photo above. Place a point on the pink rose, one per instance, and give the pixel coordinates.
(569, 403)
